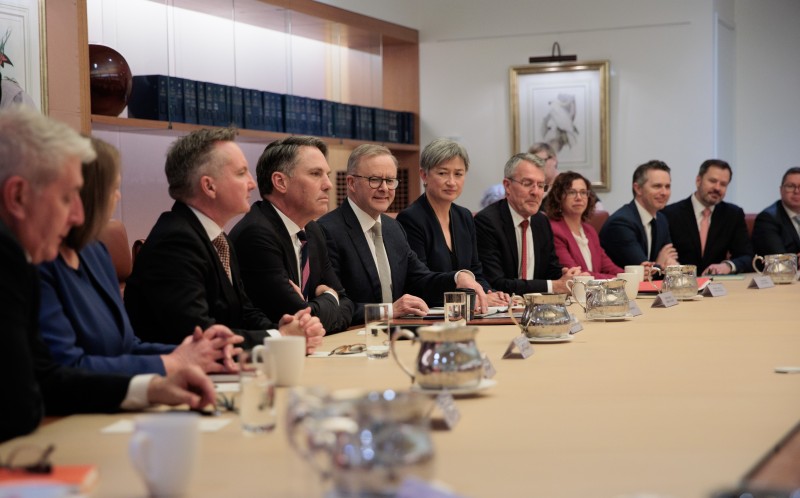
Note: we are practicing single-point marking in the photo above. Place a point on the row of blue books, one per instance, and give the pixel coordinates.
(169, 98)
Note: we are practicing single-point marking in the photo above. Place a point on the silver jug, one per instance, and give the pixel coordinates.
(781, 268)
(545, 315)
(367, 443)
(681, 280)
(604, 299)
(448, 357)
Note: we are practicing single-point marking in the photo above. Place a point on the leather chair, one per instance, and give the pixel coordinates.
(115, 237)
(598, 219)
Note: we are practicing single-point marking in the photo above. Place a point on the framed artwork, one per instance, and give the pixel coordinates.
(564, 104)
(22, 61)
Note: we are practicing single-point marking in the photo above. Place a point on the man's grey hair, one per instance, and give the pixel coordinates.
(36, 147)
(511, 165)
(193, 156)
(366, 151)
(281, 156)
(441, 150)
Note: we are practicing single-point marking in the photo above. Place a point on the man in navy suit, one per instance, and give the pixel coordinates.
(777, 228)
(637, 233)
(281, 249)
(369, 250)
(515, 242)
(186, 273)
(720, 244)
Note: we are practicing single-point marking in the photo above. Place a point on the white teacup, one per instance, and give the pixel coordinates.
(631, 284)
(638, 269)
(163, 449)
(579, 293)
(287, 353)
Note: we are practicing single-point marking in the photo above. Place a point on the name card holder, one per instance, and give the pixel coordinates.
(488, 368)
(521, 343)
(412, 487)
(447, 404)
(761, 282)
(715, 290)
(665, 300)
(576, 327)
(635, 309)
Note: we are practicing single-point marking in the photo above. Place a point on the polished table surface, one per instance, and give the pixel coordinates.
(678, 402)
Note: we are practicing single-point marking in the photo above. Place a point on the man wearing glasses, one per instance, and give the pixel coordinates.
(369, 250)
(515, 242)
(777, 228)
(720, 244)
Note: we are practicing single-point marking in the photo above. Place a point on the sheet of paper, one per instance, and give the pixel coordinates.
(125, 425)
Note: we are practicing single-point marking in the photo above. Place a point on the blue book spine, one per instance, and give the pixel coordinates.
(204, 106)
(328, 115)
(189, 101)
(408, 127)
(253, 110)
(313, 117)
(175, 99)
(149, 98)
(219, 99)
(394, 126)
(236, 105)
(280, 110)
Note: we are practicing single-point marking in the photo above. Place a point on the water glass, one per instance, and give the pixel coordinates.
(257, 403)
(377, 323)
(455, 308)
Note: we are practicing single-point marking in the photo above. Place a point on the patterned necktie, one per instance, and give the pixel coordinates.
(384, 273)
(523, 267)
(224, 251)
(305, 269)
(704, 224)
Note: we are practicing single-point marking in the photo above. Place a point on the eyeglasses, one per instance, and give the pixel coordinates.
(790, 187)
(29, 459)
(376, 181)
(529, 184)
(349, 349)
(577, 193)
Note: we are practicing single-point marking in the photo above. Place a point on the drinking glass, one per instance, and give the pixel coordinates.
(377, 322)
(455, 308)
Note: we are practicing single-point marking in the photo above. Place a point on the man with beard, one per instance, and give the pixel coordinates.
(637, 232)
(720, 227)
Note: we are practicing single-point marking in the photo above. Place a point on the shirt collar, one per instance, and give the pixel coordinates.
(212, 229)
(699, 207)
(515, 216)
(643, 213)
(791, 213)
(290, 225)
(366, 221)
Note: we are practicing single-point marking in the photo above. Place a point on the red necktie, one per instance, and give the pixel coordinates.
(305, 268)
(523, 267)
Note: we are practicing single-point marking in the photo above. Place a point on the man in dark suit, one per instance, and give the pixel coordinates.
(281, 250)
(186, 273)
(369, 250)
(515, 242)
(777, 228)
(40, 181)
(720, 244)
(637, 234)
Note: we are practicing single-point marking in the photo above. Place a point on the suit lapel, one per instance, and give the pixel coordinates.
(359, 241)
(788, 224)
(284, 238)
(510, 235)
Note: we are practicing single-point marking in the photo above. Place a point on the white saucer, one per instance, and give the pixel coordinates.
(465, 391)
(612, 318)
(542, 340)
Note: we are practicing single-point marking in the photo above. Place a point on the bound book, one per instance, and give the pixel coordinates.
(79, 479)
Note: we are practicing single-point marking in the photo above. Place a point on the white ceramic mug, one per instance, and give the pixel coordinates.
(579, 293)
(638, 269)
(163, 449)
(631, 283)
(287, 353)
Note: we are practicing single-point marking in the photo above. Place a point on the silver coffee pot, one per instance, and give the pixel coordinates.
(544, 316)
(604, 299)
(781, 268)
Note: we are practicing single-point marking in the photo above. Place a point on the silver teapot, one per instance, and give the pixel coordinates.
(781, 268)
(545, 315)
(367, 443)
(448, 357)
(604, 299)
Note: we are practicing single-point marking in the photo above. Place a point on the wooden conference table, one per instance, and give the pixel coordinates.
(678, 402)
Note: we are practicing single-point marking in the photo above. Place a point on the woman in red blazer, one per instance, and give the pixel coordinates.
(569, 204)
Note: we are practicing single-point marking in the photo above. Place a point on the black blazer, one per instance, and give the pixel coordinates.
(774, 232)
(426, 238)
(624, 239)
(353, 262)
(727, 234)
(497, 249)
(178, 282)
(268, 261)
(33, 384)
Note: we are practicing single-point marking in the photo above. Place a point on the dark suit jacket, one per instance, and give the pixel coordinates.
(570, 255)
(33, 384)
(83, 320)
(353, 262)
(774, 232)
(497, 249)
(178, 282)
(624, 239)
(426, 238)
(727, 234)
(268, 261)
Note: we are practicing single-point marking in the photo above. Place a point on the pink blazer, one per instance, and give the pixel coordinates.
(569, 254)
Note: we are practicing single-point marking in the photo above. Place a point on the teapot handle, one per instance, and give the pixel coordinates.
(572, 293)
(758, 258)
(408, 335)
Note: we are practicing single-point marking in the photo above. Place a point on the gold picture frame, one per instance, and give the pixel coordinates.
(566, 105)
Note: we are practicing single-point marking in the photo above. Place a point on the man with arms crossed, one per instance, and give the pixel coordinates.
(282, 252)
(515, 242)
(40, 182)
(721, 229)
(369, 250)
(186, 273)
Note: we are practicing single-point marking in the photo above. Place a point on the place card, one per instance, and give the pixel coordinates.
(488, 368)
(412, 487)
(635, 309)
(665, 300)
(446, 403)
(761, 282)
(522, 345)
(715, 290)
(576, 327)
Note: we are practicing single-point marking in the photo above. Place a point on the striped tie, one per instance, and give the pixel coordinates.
(304, 266)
